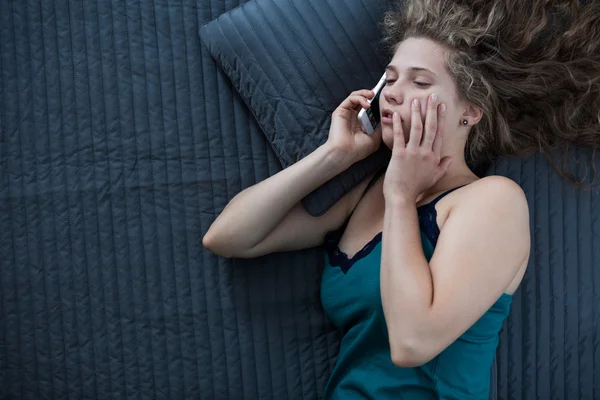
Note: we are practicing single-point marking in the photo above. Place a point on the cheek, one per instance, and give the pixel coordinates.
(452, 121)
(387, 137)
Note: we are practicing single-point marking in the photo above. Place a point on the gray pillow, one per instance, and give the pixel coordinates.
(293, 62)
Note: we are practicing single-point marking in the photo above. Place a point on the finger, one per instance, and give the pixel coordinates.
(416, 125)
(377, 135)
(439, 138)
(374, 139)
(398, 132)
(364, 92)
(355, 101)
(431, 122)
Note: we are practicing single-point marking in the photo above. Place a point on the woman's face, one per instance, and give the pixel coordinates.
(417, 71)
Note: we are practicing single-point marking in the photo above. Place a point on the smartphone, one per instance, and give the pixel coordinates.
(371, 117)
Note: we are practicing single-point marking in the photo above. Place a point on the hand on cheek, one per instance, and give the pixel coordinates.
(416, 163)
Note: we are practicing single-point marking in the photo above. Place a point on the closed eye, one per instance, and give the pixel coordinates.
(422, 84)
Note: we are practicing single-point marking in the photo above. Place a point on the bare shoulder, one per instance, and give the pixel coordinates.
(494, 193)
(495, 204)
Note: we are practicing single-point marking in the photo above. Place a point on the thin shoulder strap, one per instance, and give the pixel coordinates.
(441, 196)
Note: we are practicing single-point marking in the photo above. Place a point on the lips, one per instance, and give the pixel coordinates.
(387, 116)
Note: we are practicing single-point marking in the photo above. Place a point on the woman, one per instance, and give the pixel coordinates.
(424, 256)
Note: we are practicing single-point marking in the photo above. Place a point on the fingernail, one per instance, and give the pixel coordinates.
(443, 108)
(434, 97)
(396, 115)
(416, 103)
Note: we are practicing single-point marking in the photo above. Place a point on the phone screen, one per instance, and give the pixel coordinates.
(373, 112)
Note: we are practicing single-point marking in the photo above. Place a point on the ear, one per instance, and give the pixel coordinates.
(473, 115)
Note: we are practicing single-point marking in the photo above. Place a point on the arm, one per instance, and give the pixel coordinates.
(258, 210)
(268, 216)
(264, 218)
(481, 248)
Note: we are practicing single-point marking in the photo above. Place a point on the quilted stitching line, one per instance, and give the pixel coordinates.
(536, 288)
(248, 297)
(564, 292)
(366, 10)
(233, 270)
(574, 291)
(111, 219)
(249, 99)
(325, 25)
(316, 43)
(311, 332)
(205, 253)
(595, 323)
(271, 58)
(374, 55)
(17, 303)
(308, 56)
(534, 260)
(53, 207)
(189, 256)
(76, 122)
(111, 190)
(343, 29)
(211, 14)
(280, 330)
(297, 335)
(140, 208)
(98, 230)
(92, 339)
(137, 168)
(127, 217)
(220, 260)
(197, 195)
(169, 203)
(580, 274)
(263, 93)
(95, 181)
(4, 153)
(39, 227)
(28, 220)
(3, 346)
(162, 121)
(553, 307)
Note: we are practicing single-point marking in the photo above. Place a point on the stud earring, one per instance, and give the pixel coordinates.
(465, 122)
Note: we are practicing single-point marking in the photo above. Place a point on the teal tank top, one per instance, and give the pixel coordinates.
(351, 298)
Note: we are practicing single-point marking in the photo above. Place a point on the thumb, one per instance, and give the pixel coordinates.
(376, 137)
(443, 167)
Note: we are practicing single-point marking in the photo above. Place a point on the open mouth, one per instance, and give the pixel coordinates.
(387, 117)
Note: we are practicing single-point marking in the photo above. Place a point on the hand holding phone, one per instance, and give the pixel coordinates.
(371, 117)
(346, 136)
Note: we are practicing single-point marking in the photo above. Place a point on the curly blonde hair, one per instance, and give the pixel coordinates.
(532, 66)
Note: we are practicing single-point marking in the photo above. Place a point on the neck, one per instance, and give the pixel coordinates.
(458, 173)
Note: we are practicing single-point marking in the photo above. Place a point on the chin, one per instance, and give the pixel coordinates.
(387, 136)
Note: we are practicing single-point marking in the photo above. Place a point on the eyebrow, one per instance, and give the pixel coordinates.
(414, 69)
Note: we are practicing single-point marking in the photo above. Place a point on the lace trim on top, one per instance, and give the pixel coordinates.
(427, 223)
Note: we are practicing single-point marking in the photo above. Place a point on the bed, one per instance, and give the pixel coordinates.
(124, 134)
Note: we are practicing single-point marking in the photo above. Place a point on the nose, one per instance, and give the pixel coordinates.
(393, 96)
